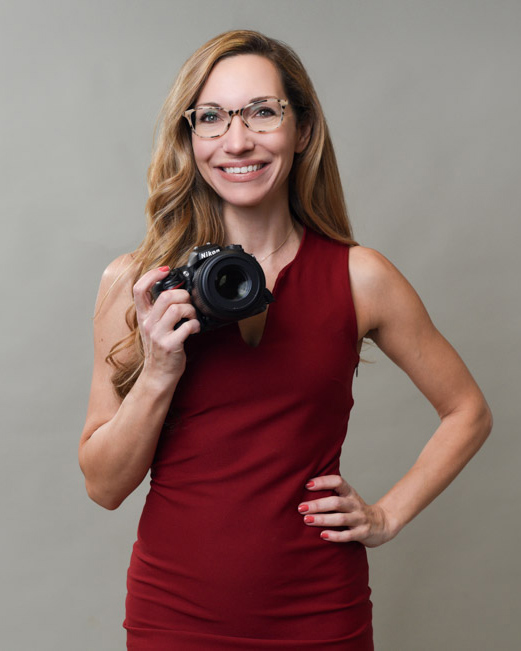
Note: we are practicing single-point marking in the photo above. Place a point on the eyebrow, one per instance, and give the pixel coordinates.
(261, 98)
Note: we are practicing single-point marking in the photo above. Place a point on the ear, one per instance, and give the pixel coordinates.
(303, 136)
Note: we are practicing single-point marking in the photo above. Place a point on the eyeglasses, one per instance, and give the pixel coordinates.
(214, 121)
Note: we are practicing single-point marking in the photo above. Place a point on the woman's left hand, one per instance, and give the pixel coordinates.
(366, 523)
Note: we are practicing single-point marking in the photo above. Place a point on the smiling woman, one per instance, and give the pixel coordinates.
(249, 164)
(250, 538)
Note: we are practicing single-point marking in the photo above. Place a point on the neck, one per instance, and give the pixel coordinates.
(259, 231)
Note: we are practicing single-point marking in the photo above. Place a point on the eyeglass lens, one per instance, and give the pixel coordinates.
(210, 121)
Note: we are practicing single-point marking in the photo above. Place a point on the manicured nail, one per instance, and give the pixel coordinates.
(325, 535)
(303, 508)
(309, 518)
(310, 484)
(164, 268)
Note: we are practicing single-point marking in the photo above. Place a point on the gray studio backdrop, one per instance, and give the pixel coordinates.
(423, 101)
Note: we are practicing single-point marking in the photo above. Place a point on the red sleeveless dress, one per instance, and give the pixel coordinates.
(223, 559)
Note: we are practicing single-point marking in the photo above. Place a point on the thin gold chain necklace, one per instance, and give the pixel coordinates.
(279, 246)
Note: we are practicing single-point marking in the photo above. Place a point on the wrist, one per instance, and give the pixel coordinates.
(155, 382)
(392, 523)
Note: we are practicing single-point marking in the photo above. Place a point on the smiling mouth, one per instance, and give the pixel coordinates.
(243, 170)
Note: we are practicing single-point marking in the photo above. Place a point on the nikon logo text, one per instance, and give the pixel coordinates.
(207, 254)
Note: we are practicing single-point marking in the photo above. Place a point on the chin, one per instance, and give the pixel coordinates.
(249, 197)
(245, 199)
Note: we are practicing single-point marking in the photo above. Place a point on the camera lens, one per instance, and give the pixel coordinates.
(229, 286)
(232, 283)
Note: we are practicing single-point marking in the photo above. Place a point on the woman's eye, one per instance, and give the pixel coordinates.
(208, 117)
(263, 112)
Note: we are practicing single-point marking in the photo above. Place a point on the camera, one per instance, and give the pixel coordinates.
(225, 283)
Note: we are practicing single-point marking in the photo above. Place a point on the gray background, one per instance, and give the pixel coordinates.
(423, 100)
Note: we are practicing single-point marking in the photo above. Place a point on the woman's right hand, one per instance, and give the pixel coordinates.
(163, 345)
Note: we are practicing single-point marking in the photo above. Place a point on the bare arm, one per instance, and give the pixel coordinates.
(120, 436)
(390, 312)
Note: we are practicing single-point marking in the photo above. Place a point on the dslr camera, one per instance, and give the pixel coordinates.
(225, 283)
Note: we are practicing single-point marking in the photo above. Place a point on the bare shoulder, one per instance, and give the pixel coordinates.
(380, 291)
(371, 270)
(119, 266)
(116, 283)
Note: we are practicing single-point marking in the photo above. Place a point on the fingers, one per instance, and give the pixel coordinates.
(171, 321)
(365, 532)
(348, 535)
(345, 509)
(170, 307)
(189, 327)
(159, 329)
(346, 499)
(333, 520)
(345, 516)
(329, 482)
(325, 504)
(141, 289)
(163, 314)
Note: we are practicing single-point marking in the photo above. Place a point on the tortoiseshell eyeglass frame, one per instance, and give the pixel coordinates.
(231, 114)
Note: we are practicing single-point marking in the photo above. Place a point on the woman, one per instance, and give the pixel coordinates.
(250, 538)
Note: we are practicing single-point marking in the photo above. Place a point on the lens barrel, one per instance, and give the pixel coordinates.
(229, 286)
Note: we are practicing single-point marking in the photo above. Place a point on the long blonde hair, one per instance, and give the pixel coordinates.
(183, 211)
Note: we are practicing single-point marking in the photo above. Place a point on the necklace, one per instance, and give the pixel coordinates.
(279, 246)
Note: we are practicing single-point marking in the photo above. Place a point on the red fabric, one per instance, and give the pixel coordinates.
(223, 559)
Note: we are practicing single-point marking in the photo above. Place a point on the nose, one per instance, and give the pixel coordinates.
(238, 138)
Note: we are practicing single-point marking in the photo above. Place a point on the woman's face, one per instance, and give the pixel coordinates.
(233, 83)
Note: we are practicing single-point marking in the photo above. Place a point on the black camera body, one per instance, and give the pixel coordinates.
(225, 283)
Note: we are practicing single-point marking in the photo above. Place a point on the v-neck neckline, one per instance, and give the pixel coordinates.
(282, 273)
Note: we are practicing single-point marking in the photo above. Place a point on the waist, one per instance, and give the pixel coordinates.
(227, 566)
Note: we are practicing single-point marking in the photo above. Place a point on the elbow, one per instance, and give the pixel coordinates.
(98, 490)
(107, 486)
(483, 421)
(103, 498)
(487, 419)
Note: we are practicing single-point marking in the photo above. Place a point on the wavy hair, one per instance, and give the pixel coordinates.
(183, 211)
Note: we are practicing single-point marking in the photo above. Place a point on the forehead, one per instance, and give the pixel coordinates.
(237, 80)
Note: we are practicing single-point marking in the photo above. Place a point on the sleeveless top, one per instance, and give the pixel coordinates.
(223, 559)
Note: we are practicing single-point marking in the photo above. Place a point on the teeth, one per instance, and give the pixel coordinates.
(242, 170)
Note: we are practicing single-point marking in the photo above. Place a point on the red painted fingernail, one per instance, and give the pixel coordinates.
(164, 268)
(310, 484)
(324, 534)
(303, 508)
(309, 518)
